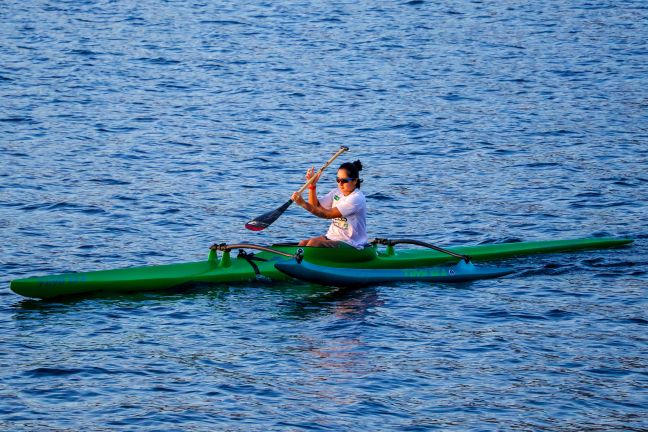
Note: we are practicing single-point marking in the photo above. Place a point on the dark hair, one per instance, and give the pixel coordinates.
(353, 170)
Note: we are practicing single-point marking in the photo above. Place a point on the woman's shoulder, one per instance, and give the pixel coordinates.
(357, 196)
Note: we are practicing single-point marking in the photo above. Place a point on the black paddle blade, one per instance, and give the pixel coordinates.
(266, 219)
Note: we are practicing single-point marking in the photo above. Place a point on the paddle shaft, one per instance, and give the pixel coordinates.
(266, 219)
(326, 165)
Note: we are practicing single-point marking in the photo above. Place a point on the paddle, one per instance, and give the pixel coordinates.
(266, 219)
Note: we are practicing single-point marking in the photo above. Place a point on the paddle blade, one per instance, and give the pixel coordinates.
(266, 219)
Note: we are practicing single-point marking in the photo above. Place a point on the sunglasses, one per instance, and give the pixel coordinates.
(344, 180)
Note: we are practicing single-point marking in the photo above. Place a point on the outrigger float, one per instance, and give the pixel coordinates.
(379, 262)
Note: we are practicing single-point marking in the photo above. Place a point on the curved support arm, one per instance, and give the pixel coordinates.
(223, 247)
(388, 242)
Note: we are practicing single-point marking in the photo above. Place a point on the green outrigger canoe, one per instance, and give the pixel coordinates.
(222, 268)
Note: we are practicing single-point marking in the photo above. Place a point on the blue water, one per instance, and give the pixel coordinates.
(142, 132)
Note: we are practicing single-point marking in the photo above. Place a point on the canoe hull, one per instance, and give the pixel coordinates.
(225, 271)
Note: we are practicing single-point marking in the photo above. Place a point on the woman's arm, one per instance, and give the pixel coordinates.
(312, 197)
(312, 192)
(317, 209)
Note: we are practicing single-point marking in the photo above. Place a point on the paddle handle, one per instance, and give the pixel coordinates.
(328, 162)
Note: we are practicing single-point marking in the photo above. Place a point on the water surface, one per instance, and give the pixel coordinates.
(142, 132)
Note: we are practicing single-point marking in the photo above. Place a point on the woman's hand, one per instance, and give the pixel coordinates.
(310, 173)
(298, 199)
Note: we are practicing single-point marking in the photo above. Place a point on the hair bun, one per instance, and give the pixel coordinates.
(358, 165)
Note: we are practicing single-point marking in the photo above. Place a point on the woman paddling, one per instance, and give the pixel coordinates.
(345, 204)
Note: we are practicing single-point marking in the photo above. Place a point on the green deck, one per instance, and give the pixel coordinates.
(238, 270)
